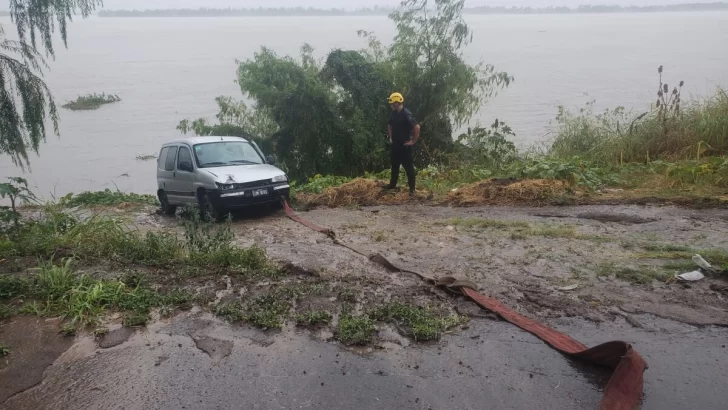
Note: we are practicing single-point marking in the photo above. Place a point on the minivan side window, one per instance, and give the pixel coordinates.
(162, 160)
(184, 156)
(169, 161)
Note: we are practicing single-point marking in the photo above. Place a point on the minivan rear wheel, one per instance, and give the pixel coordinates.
(167, 209)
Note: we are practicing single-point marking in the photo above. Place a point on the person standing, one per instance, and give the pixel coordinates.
(403, 132)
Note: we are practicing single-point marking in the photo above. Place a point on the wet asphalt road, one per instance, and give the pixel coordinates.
(195, 361)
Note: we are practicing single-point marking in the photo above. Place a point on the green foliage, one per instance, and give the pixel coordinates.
(91, 101)
(205, 244)
(706, 171)
(6, 311)
(331, 118)
(313, 318)
(235, 118)
(355, 330)
(26, 103)
(60, 290)
(4, 350)
(489, 147)
(212, 244)
(422, 324)
(267, 311)
(319, 183)
(672, 129)
(106, 197)
(18, 192)
(574, 170)
(12, 286)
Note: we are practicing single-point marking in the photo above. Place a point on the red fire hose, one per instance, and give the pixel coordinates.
(624, 389)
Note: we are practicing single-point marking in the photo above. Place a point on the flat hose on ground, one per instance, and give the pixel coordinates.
(624, 389)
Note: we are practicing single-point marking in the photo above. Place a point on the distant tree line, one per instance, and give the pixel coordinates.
(384, 11)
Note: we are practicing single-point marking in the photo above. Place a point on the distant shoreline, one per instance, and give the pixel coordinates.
(384, 11)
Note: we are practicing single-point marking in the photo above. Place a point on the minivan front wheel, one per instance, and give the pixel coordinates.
(208, 210)
(167, 209)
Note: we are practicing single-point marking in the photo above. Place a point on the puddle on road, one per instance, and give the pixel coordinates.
(34, 345)
(197, 359)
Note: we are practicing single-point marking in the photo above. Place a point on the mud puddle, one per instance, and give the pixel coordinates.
(35, 343)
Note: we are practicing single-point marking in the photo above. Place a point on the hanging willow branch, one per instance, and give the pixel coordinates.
(25, 100)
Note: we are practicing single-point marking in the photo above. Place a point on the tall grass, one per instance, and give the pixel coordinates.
(697, 129)
(106, 239)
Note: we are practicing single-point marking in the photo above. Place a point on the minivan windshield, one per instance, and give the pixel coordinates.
(225, 153)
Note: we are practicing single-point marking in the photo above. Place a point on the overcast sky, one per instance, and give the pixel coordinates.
(349, 4)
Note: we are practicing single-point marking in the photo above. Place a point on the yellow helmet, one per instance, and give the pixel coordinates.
(396, 98)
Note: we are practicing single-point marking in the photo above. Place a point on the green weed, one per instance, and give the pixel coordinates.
(671, 251)
(355, 330)
(68, 329)
(6, 311)
(640, 275)
(422, 324)
(313, 318)
(100, 331)
(59, 290)
(135, 319)
(233, 312)
(267, 312)
(12, 286)
(519, 229)
(4, 350)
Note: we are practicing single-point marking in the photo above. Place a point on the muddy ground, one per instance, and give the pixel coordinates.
(521, 256)
(620, 258)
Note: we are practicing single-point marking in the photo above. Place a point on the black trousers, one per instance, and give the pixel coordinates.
(402, 156)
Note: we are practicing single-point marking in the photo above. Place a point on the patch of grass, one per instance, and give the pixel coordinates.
(68, 329)
(232, 312)
(519, 230)
(207, 245)
(680, 266)
(665, 247)
(714, 256)
(106, 198)
(319, 183)
(664, 132)
(346, 295)
(60, 291)
(4, 350)
(91, 101)
(6, 311)
(146, 157)
(13, 286)
(267, 312)
(640, 275)
(422, 324)
(100, 331)
(355, 330)
(313, 318)
(135, 319)
(483, 223)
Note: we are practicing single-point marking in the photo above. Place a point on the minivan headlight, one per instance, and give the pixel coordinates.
(225, 187)
(280, 178)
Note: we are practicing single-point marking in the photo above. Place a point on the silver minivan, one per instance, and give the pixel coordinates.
(220, 174)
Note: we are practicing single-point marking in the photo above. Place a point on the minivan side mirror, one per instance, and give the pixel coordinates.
(270, 159)
(185, 166)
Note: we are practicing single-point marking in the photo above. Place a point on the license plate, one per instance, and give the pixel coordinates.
(259, 192)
